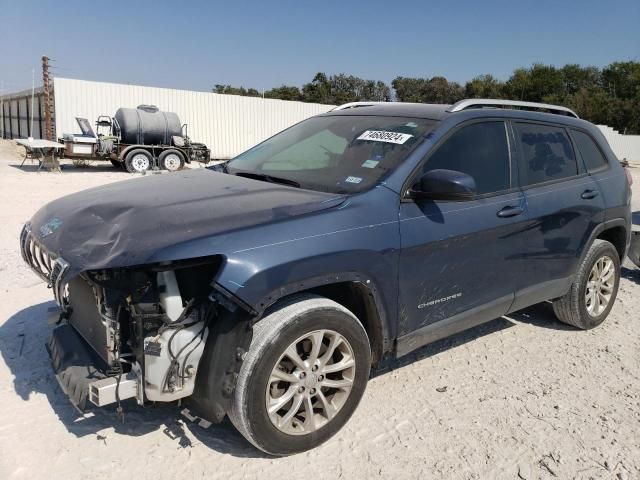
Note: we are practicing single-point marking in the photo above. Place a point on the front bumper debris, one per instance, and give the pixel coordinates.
(80, 373)
(75, 367)
(110, 390)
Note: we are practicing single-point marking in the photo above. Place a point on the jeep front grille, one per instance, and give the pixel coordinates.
(57, 282)
(39, 259)
(48, 266)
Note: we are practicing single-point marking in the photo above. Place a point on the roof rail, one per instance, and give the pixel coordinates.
(345, 106)
(483, 102)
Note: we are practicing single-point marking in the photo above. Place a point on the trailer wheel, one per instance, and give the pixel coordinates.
(138, 161)
(171, 160)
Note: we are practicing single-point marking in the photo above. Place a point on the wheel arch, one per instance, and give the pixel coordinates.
(356, 292)
(617, 236)
(125, 151)
(616, 229)
(359, 300)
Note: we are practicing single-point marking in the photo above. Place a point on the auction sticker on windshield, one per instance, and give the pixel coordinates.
(370, 163)
(382, 136)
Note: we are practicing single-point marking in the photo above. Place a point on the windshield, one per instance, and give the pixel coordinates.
(339, 154)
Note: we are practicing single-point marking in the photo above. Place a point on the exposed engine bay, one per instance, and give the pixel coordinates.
(138, 323)
(141, 332)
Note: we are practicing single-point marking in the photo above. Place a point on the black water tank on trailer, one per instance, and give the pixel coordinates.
(146, 125)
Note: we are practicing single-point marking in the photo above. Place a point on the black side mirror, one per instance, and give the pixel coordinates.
(443, 184)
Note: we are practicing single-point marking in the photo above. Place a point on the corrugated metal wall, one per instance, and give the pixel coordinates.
(624, 146)
(227, 124)
(15, 114)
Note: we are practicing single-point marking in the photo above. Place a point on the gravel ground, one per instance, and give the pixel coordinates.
(520, 397)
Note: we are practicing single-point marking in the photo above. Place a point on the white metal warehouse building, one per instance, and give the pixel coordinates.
(227, 124)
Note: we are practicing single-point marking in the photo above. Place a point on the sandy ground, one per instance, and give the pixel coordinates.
(521, 397)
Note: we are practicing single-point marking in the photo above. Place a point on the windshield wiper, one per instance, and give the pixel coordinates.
(268, 178)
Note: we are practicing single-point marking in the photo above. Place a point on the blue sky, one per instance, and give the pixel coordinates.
(196, 44)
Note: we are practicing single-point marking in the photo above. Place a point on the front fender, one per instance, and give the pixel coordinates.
(378, 301)
(259, 286)
(356, 242)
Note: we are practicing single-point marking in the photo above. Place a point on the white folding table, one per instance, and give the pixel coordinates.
(40, 147)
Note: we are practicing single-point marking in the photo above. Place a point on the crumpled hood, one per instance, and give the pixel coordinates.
(125, 223)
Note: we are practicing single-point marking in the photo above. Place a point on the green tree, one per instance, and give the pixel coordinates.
(440, 90)
(484, 86)
(229, 90)
(575, 78)
(373, 91)
(409, 89)
(318, 90)
(622, 80)
(427, 90)
(608, 96)
(535, 83)
(284, 92)
(342, 88)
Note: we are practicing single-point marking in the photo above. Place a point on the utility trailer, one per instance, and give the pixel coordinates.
(136, 139)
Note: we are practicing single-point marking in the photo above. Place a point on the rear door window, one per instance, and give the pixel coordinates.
(479, 150)
(589, 151)
(546, 153)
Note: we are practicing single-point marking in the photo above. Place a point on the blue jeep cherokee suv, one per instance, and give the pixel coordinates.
(265, 288)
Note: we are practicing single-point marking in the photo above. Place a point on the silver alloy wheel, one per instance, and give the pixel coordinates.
(600, 286)
(140, 162)
(172, 162)
(310, 382)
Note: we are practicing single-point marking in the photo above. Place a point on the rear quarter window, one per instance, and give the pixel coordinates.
(589, 151)
(546, 153)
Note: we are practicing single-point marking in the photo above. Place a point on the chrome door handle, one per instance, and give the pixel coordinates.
(510, 211)
(589, 194)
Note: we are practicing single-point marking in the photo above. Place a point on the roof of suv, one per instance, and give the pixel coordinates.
(439, 112)
(396, 109)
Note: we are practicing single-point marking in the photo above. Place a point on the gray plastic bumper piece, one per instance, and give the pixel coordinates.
(73, 364)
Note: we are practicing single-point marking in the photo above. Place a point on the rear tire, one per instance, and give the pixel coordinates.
(171, 160)
(329, 383)
(594, 290)
(138, 161)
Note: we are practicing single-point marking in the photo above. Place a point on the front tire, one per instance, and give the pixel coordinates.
(303, 376)
(594, 290)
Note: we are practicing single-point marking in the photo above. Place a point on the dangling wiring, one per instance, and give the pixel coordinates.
(174, 372)
(114, 323)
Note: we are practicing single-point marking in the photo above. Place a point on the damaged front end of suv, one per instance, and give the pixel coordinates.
(141, 331)
(156, 299)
